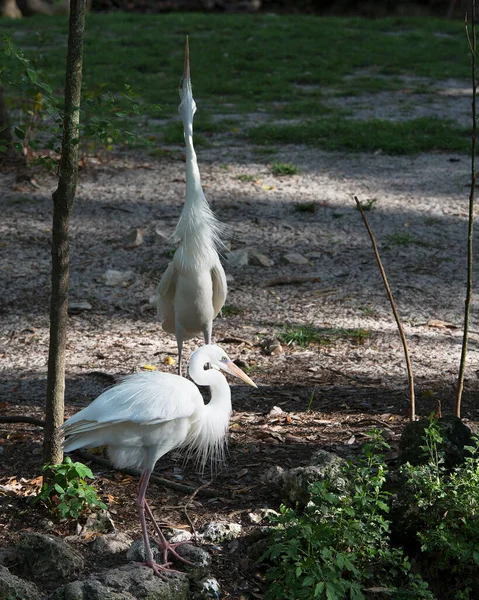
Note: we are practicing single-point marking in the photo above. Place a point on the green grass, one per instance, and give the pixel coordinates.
(281, 169)
(407, 137)
(245, 178)
(304, 335)
(278, 66)
(230, 310)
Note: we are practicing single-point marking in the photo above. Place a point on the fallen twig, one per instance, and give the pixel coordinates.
(290, 279)
(179, 487)
(185, 508)
(395, 312)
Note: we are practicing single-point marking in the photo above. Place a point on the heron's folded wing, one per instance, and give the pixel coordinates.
(167, 285)
(142, 398)
(218, 278)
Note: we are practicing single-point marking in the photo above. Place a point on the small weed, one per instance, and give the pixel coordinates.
(170, 252)
(280, 169)
(245, 178)
(368, 204)
(302, 335)
(311, 400)
(401, 238)
(230, 310)
(67, 493)
(306, 207)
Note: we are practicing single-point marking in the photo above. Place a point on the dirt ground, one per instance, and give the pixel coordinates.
(331, 394)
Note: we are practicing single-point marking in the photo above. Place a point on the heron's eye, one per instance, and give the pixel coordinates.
(224, 359)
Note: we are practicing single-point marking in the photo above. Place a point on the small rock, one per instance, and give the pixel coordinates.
(271, 346)
(229, 278)
(99, 522)
(46, 558)
(208, 589)
(176, 536)
(275, 411)
(218, 532)
(259, 259)
(315, 255)
(12, 587)
(112, 543)
(112, 277)
(294, 258)
(79, 306)
(134, 238)
(136, 552)
(199, 557)
(237, 258)
(260, 514)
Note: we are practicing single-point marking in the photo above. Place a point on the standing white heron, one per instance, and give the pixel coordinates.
(148, 414)
(192, 290)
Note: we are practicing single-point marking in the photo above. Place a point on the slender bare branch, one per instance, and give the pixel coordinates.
(412, 413)
(467, 304)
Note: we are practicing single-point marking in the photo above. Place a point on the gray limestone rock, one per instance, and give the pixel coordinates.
(112, 543)
(218, 532)
(14, 588)
(294, 484)
(46, 558)
(130, 582)
(260, 260)
(136, 552)
(294, 258)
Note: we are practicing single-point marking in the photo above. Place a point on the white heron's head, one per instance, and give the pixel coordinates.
(217, 359)
(187, 106)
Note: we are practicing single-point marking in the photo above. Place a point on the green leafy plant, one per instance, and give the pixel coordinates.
(339, 547)
(39, 130)
(66, 492)
(447, 512)
(280, 169)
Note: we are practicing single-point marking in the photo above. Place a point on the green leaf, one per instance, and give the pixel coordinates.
(19, 133)
(32, 75)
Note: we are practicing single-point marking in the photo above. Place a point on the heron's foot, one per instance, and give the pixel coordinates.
(171, 548)
(162, 571)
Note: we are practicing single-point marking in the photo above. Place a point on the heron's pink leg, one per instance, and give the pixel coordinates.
(165, 544)
(159, 570)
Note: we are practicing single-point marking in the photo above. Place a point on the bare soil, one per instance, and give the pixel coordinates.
(331, 394)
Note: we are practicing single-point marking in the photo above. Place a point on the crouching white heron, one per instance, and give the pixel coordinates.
(148, 414)
(192, 290)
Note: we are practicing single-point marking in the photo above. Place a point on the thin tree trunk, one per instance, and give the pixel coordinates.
(467, 304)
(62, 207)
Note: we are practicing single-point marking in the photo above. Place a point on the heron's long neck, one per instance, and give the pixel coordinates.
(197, 228)
(219, 388)
(193, 179)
